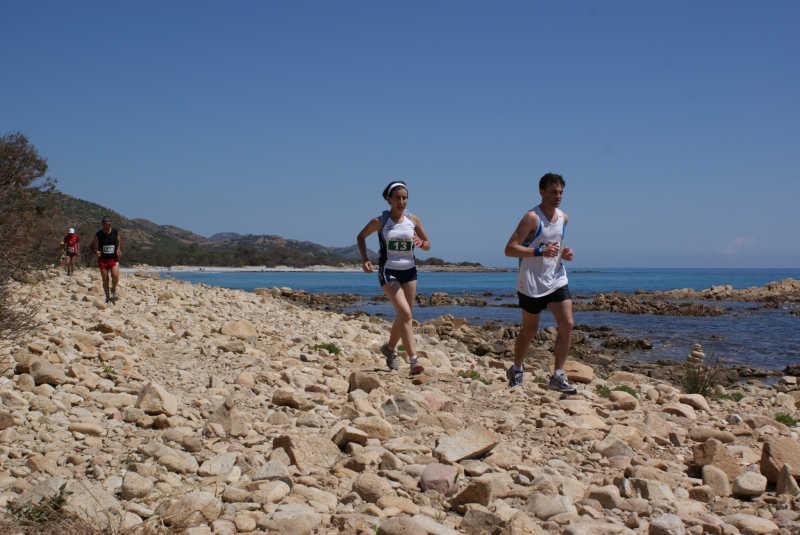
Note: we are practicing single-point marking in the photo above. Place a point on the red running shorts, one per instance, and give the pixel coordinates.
(107, 263)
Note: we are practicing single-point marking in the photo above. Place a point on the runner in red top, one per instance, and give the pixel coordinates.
(71, 241)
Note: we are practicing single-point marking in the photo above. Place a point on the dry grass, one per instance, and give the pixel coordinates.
(701, 378)
(70, 524)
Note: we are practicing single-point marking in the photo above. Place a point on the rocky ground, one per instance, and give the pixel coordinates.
(217, 410)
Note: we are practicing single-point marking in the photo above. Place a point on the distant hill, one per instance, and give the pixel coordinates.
(220, 237)
(147, 242)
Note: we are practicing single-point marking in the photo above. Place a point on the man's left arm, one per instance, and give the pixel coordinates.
(567, 253)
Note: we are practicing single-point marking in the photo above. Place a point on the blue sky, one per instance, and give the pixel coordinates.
(675, 124)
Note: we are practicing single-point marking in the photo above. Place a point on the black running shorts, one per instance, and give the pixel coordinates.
(535, 305)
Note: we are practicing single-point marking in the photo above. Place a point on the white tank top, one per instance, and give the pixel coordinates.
(395, 243)
(539, 276)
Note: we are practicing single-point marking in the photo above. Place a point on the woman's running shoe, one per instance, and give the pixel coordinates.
(391, 357)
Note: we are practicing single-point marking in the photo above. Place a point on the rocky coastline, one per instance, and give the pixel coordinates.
(222, 411)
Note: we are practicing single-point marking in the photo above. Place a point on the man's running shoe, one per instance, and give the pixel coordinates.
(514, 377)
(391, 357)
(559, 383)
(108, 300)
(416, 368)
(114, 295)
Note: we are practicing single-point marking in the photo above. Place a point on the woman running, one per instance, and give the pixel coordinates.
(398, 233)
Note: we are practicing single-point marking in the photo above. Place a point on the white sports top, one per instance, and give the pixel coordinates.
(396, 246)
(539, 276)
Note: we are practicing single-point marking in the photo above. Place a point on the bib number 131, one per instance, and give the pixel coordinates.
(399, 246)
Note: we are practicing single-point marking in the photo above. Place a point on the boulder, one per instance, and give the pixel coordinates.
(292, 519)
(666, 525)
(779, 451)
(480, 521)
(46, 373)
(372, 487)
(348, 434)
(469, 443)
(241, 329)
(608, 496)
(680, 409)
(578, 373)
(286, 397)
(749, 484)
(218, 465)
(612, 446)
(402, 525)
(363, 381)
(437, 402)
(751, 524)
(135, 486)
(716, 479)
(696, 401)
(623, 401)
(715, 453)
(308, 453)
(442, 478)
(228, 418)
(786, 483)
(477, 491)
(273, 470)
(703, 433)
(374, 427)
(154, 399)
(193, 509)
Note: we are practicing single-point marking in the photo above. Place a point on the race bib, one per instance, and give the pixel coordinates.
(109, 249)
(402, 246)
(70, 249)
(545, 243)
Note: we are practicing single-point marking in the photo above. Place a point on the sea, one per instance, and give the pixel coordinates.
(749, 334)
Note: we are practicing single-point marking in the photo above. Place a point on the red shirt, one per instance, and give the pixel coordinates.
(71, 243)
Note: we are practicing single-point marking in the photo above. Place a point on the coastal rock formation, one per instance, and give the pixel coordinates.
(223, 411)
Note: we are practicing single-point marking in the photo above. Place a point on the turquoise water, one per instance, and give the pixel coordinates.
(764, 338)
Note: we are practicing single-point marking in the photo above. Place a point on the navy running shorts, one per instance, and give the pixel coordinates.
(385, 276)
(535, 305)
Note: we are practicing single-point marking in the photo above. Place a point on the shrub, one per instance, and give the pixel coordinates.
(540, 380)
(736, 396)
(700, 378)
(602, 391)
(28, 223)
(330, 347)
(785, 418)
(626, 388)
(474, 375)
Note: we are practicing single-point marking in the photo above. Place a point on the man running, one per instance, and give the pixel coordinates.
(71, 241)
(542, 280)
(106, 244)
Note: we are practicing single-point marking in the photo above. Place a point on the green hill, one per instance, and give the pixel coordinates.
(145, 242)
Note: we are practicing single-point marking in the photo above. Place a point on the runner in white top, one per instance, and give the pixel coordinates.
(542, 279)
(398, 233)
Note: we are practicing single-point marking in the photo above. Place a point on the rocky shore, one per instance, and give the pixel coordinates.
(231, 412)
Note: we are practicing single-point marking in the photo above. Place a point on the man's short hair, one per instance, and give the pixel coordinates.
(551, 178)
(106, 219)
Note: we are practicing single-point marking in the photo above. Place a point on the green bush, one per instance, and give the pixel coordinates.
(626, 388)
(330, 347)
(785, 418)
(474, 375)
(602, 391)
(540, 380)
(736, 396)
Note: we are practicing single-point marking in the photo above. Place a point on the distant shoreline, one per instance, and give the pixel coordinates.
(310, 269)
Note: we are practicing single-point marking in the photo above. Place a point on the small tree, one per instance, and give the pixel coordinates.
(28, 227)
